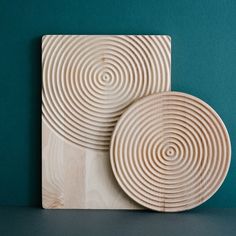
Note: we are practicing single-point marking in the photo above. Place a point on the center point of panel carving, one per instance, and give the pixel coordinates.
(170, 152)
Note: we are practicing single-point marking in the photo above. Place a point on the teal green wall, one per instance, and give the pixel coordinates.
(203, 63)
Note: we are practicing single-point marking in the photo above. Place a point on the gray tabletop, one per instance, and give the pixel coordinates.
(37, 221)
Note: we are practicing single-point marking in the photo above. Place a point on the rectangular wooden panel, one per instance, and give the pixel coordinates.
(88, 82)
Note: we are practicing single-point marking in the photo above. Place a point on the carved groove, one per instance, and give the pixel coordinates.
(88, 81)
(170, 152)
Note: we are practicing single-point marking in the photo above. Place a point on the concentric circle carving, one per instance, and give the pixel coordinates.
(88, 81)
(170, 151)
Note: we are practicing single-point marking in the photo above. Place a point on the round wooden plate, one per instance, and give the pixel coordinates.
(170, 152)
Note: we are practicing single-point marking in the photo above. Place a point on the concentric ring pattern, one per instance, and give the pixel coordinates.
(88, 81)
(170, 151)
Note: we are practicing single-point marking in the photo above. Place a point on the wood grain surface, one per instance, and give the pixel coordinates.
(88, 82)
(170, 151)
(76, 177)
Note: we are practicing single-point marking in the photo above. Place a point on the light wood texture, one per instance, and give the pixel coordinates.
(88, 82)
(170, 152)
(75, 177)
